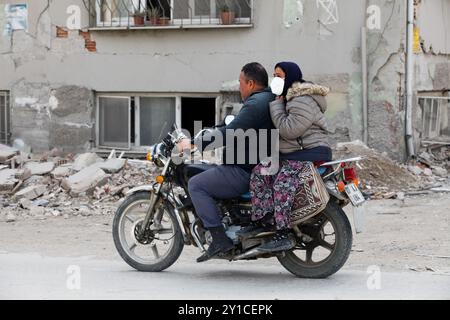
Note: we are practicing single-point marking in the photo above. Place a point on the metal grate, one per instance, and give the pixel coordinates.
(166, 13)
(4, 117)
(435, 117)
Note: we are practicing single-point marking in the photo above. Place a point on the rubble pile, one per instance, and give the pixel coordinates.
(381, 177)
(55, 185)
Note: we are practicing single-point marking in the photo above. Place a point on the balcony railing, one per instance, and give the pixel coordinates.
(169, 13)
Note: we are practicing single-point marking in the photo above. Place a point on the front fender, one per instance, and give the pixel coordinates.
(148, 188)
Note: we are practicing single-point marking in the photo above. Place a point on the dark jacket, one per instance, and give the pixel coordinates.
(255, 114)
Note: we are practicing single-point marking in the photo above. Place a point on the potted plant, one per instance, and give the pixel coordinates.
(227, 15)
(164, 21)
(139, 16)
(154, 15)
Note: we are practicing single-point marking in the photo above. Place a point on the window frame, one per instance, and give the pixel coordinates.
(193, 22)
(6, 95)
(97, 127)
(178, 112)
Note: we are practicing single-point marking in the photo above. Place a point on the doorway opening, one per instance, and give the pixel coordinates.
(197, 109)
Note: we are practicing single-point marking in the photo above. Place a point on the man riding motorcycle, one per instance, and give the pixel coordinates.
(232, 179)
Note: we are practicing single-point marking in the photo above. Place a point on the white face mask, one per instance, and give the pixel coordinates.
(277, 86)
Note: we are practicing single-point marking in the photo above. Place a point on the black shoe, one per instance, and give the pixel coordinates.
(281, 241)
(220, 245)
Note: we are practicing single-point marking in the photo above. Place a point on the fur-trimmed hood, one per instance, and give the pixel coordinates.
(315, 91)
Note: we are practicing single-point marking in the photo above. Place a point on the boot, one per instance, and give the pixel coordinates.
(221, 244)
(283, 240)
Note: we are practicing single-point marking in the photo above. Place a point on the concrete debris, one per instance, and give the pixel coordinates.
(31, 192)
(383, 178)
(41, 202)
(61, 172)
(85, 181)
(10, 217)
(85, 160)
(8, 179)
(25, 203)
(112, 165)
(439, 171)
(416, 170)
(7, 153)
(36, 211)
(37, 168)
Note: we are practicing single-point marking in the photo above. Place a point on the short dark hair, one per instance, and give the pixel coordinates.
(256, 72)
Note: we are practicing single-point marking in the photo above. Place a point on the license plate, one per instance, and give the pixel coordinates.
(354, 194)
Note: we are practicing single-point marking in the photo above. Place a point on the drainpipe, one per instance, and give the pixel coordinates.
(409, 80)
(364, 83)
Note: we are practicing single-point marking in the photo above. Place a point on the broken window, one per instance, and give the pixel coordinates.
(435, 117)
(4, 117)
(121, 13)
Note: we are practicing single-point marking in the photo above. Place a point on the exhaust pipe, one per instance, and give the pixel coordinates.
(250, 254)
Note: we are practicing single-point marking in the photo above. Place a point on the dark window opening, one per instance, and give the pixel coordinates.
(198, 109)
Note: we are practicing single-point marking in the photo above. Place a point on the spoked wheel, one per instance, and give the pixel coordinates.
(324, 249)
(155, 249)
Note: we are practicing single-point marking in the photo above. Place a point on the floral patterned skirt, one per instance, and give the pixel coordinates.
(275, 194)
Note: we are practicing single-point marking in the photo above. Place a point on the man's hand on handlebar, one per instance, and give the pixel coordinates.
(184, 144)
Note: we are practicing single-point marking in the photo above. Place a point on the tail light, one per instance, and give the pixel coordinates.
(350, 176)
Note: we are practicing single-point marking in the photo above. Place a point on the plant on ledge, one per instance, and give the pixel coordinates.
(139, 16)
(153, 15)
(227, 15)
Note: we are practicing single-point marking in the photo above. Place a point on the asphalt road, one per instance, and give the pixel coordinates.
(31, 276)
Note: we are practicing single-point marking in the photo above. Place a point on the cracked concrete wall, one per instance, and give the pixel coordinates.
(386, 79)
(386, 58)
(327, 47)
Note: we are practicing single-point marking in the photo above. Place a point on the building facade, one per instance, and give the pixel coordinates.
(81, 74)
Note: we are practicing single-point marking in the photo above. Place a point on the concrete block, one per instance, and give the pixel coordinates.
(7, 152)
(61, 172)
(112, 165)
(85, 160)
(85, 181)
(38, 168)
(8, 179)
(31, 192)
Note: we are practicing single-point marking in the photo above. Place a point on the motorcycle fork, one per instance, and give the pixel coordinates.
(155, 198)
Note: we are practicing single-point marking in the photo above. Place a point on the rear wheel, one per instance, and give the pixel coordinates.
(158, 247)
(326, 247)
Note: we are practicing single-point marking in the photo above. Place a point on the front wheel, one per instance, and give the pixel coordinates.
(326, 247)
(158, 247)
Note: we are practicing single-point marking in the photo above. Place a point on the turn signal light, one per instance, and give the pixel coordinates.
(149, 156)
(160, 179)
(340, 186)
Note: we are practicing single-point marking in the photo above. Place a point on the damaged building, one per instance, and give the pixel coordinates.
(98, 74)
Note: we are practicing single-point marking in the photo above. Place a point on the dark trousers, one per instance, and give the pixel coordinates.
(221, 182)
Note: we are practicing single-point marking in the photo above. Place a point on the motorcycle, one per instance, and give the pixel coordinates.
(154, 222)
